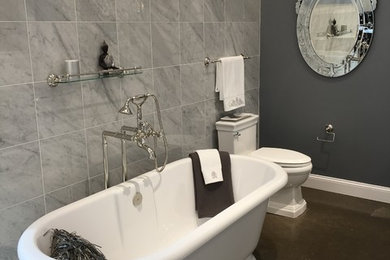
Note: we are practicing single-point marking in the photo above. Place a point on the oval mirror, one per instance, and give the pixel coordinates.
(334, 35)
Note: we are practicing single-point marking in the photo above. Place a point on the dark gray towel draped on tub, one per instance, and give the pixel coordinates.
(212, 198)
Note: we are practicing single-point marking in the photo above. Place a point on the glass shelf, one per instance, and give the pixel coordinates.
(53, 80)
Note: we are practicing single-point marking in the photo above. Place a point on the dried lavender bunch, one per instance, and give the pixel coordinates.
(69, 246)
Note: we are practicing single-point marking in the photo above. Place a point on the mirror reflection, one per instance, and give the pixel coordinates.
(333, 29)
(334, 35)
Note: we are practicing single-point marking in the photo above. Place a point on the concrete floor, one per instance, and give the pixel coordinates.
(333, 227)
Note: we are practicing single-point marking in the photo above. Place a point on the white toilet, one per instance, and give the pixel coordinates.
(238, 136)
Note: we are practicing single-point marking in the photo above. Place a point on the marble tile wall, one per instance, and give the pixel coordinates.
(50, 144)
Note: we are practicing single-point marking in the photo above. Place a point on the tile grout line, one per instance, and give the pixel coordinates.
(22, 202)
(224, 27)
(180, 86)
(44, 195)
(204, 52)
(60, 135)
(111, 22)
(180, 50)
(79, 57)
(151, 48)
(180, 60)
(67, 186)
(35, 107)
(114, 22)
(151, 39)
(18, 84)
(82, 94)
(17, 145)
(205, 90)
(121, 87)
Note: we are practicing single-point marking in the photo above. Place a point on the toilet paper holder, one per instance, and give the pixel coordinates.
(329, 130)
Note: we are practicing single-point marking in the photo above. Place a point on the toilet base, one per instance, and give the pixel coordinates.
(287, 202)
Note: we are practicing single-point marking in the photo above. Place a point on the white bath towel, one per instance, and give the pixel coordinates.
(210, 164)
(230, 82)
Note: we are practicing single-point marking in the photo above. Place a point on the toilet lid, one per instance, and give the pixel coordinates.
(283, 157)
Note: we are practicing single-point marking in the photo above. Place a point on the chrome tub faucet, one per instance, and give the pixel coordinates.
(138, 135)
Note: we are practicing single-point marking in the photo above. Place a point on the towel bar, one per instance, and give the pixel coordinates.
(207, 60)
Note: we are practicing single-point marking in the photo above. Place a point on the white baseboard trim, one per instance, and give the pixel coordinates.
(346, 187)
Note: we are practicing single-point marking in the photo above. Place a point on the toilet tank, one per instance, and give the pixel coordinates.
(237, 137)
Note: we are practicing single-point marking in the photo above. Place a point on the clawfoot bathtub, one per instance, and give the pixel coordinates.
(164, 225)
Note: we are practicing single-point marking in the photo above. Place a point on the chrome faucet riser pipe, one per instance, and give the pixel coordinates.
(105, 161)
(123, 138)
(124, 160)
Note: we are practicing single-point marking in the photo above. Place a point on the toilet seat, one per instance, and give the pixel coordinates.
(283, 157)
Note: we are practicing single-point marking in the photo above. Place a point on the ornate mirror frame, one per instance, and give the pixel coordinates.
(364, 36)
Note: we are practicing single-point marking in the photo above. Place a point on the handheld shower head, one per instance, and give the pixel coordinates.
(138, 100)
(126, 108)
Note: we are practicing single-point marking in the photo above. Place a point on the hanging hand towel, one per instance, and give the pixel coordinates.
(211, 166)
(230, 82)
(211, 199)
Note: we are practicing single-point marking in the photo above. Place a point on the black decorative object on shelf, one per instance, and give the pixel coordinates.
(106, 61)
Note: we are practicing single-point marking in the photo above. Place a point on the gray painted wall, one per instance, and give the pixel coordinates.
(296, 103)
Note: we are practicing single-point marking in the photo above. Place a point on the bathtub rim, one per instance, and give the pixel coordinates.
(202, 234)
(185, 245)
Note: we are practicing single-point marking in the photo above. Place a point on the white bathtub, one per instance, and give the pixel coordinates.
(165, 225)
